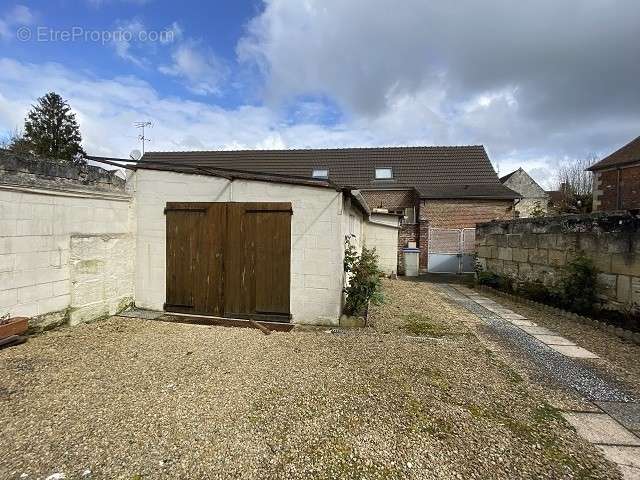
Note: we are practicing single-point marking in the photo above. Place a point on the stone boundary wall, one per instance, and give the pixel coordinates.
(538, 250)
(67, 246)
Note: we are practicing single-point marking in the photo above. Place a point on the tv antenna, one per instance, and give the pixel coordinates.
(141, 137)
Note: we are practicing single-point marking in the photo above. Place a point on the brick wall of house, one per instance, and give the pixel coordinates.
(390, 199)
(605, 195)
(394, 200)
(408, 233)
(435, 213)
(457, 214)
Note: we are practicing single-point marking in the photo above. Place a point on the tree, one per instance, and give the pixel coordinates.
(575, 185)
(537, 211)
(51, 130)
(15, 142)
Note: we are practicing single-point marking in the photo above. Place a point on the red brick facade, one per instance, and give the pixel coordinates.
(457, 214)
(435, 213)
(617, 189)
(389, 199)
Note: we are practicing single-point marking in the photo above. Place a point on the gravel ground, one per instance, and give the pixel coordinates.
(621, 356)
(415, 396)
(582, 375)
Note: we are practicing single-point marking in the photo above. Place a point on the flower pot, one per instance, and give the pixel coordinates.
(15, 326)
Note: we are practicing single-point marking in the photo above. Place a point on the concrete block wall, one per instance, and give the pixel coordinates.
(319, 223)
(539, 249)
(384, 238)
(38, 222)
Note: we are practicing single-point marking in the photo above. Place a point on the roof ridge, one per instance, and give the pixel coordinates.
(389, 147)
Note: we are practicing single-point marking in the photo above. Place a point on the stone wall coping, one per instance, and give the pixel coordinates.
(605, 222)
(37, 172)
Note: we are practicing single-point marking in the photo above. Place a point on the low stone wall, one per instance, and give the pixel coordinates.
(67, 249)
(537, 249)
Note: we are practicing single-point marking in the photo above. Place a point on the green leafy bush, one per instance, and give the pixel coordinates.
(537, 211)
(575, 291)
(495, 280)
(364, 279)
(538, 292)
(578, 286)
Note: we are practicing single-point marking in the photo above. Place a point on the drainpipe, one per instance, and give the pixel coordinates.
(618, 199)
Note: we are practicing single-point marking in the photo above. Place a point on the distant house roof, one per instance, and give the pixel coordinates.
(555, 196)
(630, 153)
(435, 172)
(508, 176)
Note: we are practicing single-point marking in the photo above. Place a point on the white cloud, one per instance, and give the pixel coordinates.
(123, 45)
(99, 3)
(133, 41)
(107, 108)
(202, 70)
(527, 79)
(17, 16)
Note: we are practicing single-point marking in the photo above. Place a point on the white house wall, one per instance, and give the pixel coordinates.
(384, 238)
(64, 256)
(316, 236)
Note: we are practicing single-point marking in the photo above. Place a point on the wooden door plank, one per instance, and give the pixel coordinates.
(273, 258)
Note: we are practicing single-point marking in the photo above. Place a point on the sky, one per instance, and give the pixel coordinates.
(537, 83)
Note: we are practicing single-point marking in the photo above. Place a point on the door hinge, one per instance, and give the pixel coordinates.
(191, 210)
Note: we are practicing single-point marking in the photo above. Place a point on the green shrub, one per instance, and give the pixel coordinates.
(537, 211)
(495, 280)
(575, 291)
(578, 286)
(364, 277)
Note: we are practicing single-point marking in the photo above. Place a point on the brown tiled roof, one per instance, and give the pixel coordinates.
(555, 196)
(445, 169)
(473, 190)
(630, 153)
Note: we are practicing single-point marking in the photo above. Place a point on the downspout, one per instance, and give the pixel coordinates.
(516, 201)
(618, 199)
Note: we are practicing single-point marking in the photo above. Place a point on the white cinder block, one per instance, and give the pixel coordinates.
(53, 304)
(35, 292)
(7, 262)
(24, 310)
(8, 298)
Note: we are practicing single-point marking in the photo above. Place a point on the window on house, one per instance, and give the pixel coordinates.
(320, 173)
(384, 174)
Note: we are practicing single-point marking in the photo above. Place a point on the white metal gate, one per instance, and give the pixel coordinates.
(451, 250)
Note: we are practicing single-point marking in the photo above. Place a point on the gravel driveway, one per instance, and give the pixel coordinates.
(415, 396)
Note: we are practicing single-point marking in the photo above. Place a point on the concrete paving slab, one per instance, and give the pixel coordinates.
(600, 428)
(573, 351)
(554, 340)
(584, 377)
(627, 413)
(523, 323)
(538, 331)
(622, 455)
(513, 316)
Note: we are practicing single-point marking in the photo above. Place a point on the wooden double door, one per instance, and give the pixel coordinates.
(229, 259)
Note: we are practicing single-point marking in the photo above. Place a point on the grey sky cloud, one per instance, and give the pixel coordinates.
(548, 79)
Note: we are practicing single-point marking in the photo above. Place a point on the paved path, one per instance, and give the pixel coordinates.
(615, 428)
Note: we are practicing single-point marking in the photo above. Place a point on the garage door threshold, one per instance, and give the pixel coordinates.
(224, 322)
